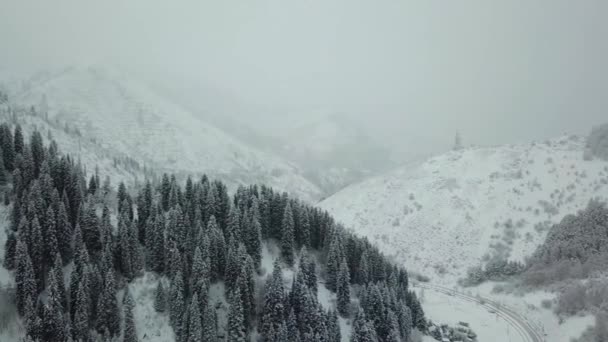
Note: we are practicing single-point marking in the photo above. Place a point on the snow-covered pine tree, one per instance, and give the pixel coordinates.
(404, 317)
(64, 233)
(160, 298)
(10, 249)
(236, 320)
(333, 327)
(292, 327)
(362, 329)
(176, 301)
(25, 279)
(108, 312)
(210, 324)
(343, 288)
(195, 328)
(82, 309)
(287, 236)
(362, 276)
(53, 322)
(129, 333)
(246, 284)
(273, 310)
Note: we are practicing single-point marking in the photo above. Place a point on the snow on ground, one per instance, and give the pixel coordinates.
(445, 309)
(530, 305)
(127, 117)
(151, 325)
(452, 211)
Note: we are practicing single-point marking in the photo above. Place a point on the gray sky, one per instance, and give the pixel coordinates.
(498, 71)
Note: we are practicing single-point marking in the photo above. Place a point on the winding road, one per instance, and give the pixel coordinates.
(527, 330)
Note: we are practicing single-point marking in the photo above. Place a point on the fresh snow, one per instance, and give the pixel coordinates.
(453, 211)
(127, 117)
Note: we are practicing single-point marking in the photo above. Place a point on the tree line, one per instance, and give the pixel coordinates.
(62, 224)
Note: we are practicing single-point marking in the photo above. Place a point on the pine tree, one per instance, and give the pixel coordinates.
(165, 192)
(343, 288)
(234, 223)
(108, 314)
(333, 327)
(405, 322)
(51, 242)
(33, 323)
(36, 248)
(129, 331)
(64, 233)
(362, 330)
(82, 309)
(236, 320)
(334, 256)
(195, 329)
(304, 231)
(158, 252)
(292, 326)
(53, 328)
(246, 284)
(287, 236)
(363, 271)
(10, 249)
(160, 298)
(210, 325)
(24, 277)
(176, 301)
(58, 273)
(254, 236)
(18, 136)
(233, 264)
(3, 173)
(273, 310)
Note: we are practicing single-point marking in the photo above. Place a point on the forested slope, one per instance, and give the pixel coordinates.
(81, 254)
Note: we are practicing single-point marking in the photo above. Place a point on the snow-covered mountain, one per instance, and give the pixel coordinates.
(127, 117)
(455, 210)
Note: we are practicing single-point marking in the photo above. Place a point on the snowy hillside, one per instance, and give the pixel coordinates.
(456, 210)
(128, 118)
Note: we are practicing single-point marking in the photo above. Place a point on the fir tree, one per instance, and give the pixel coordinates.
(210, 325)
(333, 327)
(82, 309)
(343, 288)
(254, 236)
(405, 322)
(287, 236)
(362, 330)
(10, 249)
(160, 298)
(53, 321)
(363, 270)
(273, 310)
(129, 331)
(176, 301)
(3, 173)
(64, 233)
(108, 314)
(24, 278)
(18, 137)
(236, 320)
(58, 273)
(195, 329)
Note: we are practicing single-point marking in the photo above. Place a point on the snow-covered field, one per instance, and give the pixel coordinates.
(446, 309)
(530, 305)
(453, 211)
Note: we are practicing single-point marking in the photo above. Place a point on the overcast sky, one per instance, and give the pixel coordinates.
(498, 71)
